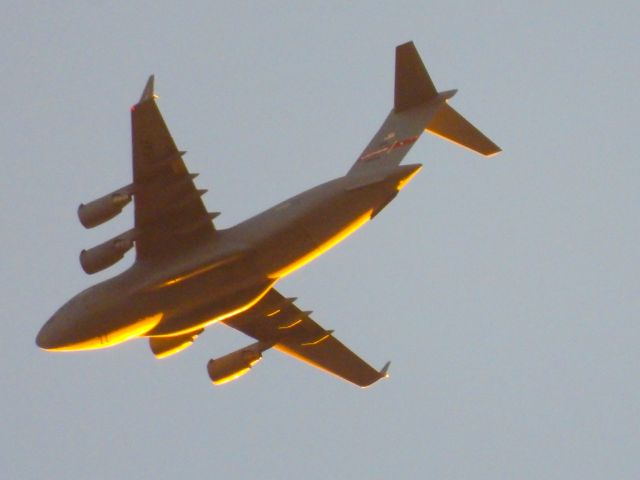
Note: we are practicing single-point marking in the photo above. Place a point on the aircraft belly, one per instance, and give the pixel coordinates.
(318, 228)
(325, 241)
(188, 315)
(90, 339)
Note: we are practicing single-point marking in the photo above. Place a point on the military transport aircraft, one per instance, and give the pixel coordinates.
(188, 274)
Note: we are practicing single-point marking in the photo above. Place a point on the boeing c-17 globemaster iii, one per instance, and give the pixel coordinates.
(188, 275)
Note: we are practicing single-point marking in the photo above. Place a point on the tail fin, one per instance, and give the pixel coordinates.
(417, 107)
(413, 84)
(414, 87)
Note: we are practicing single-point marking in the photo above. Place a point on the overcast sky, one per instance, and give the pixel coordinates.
(504, 290)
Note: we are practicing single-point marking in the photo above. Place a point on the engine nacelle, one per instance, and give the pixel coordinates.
(104, 208)
(106, 254)
(234, 365)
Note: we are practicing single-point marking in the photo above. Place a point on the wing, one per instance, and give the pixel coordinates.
(169, 213)
(276, 320)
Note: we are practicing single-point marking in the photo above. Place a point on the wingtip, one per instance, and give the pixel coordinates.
(382, 374)
(148, 92)
(493, 152)
(405, 45)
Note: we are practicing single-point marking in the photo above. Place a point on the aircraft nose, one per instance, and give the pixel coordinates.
(43, 339)
(48, 337)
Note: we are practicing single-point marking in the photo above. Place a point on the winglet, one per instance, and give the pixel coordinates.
(147, 93)
(384, 372)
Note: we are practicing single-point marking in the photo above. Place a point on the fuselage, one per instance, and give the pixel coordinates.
(224, 276)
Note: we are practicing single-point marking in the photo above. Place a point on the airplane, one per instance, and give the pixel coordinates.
(188, 275)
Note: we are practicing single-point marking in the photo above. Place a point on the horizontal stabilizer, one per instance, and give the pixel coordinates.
(450, 125)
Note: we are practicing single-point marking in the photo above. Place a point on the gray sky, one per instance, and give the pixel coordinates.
(505, 291)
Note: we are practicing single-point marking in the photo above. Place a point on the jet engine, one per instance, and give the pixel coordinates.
(236, 364)
(106, 254)
(104, 208)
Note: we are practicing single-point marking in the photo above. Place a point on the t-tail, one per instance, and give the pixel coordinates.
(417, 107)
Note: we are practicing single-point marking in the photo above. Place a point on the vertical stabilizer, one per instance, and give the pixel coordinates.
(413, 84)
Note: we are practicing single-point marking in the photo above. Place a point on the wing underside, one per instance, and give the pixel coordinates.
(277, 321)
(169, 213)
